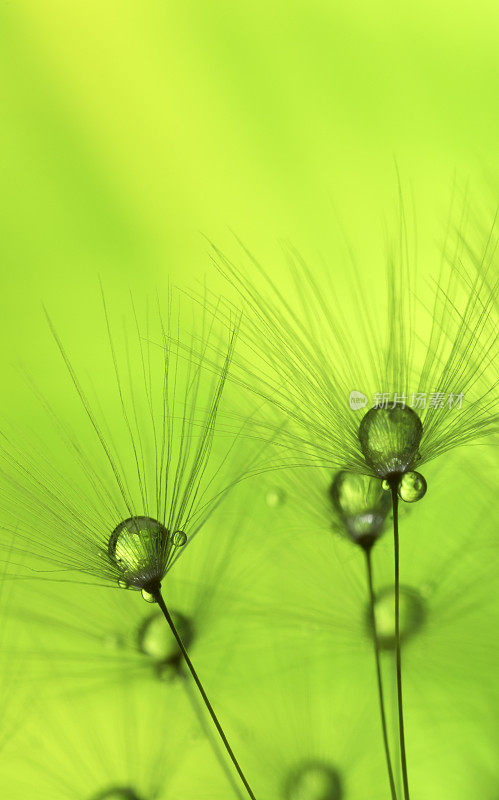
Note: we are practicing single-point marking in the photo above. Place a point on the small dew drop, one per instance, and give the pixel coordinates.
(412, 487)
(147, 596)
(314, 781)
(386, 485)
(275, 497)
(179, 538)
(122, 583)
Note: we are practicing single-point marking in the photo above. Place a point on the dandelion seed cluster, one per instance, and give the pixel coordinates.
(319, 621)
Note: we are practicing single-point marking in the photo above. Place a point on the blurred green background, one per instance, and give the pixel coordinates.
(132, 130)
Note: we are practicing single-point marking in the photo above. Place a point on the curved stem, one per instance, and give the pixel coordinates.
(156, 593)
(378, 673)
(403, 758)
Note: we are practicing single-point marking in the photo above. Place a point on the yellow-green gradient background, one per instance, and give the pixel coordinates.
(132, 130)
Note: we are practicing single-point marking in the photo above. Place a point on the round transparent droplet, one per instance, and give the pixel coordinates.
(361, 505)
(179, 538)
(147, 596)
(412, 487)
(155, 640)
(412, 615)
(138, 548)
(275, 497)
(122, 584)
(314, 781)
(389, 439)
(386, 485)
(117, 793)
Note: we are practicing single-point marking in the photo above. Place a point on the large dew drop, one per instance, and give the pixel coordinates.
(412, 487)
(412, 611)
(389, 439)
(117, 793)
(138, 546)
(314, 780)
(155, 640)
(361, 504)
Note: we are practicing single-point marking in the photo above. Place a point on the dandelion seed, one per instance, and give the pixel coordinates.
(128, 516)
(362, 506)
(319, 367)
(448, 608)
(356, 507)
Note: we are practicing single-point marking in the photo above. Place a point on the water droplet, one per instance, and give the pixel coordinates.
(122, 583)
(275, 497)
(147, 596)
(117, 793)
(155, 640)
(179, 538)
(412, 615)
(314, 780)
(412, 487)
(386, 485)
(389, 439)
(361, 504)
(138, 546)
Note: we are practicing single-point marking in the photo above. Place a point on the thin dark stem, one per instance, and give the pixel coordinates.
(156, 593)
(212, 740)
(403, 758)
(378, 672)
